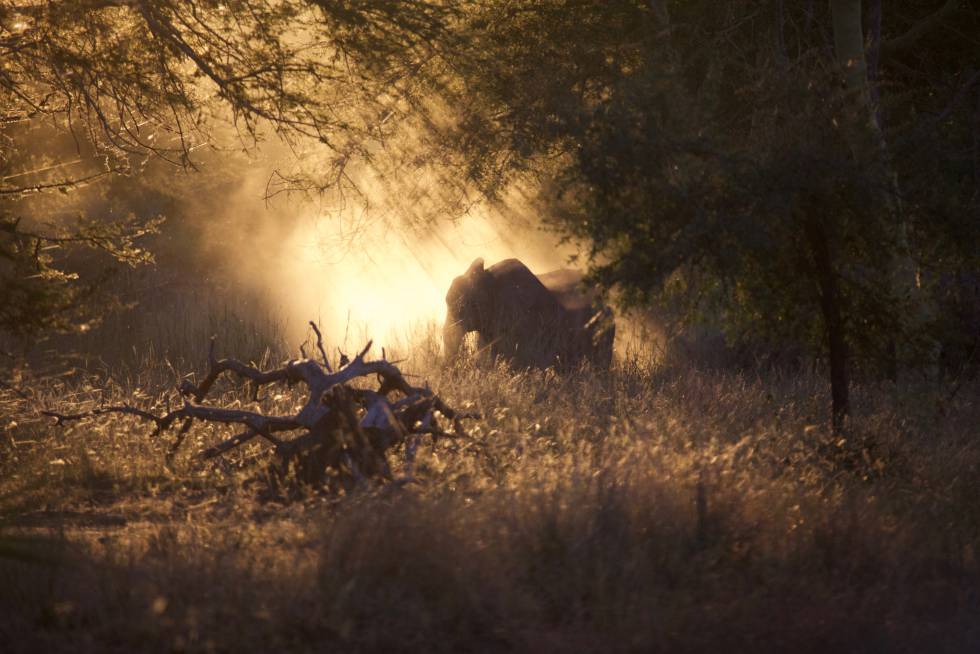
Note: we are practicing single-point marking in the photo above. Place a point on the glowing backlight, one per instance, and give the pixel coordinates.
(387, 284)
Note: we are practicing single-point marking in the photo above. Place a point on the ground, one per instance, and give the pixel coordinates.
(642, 509)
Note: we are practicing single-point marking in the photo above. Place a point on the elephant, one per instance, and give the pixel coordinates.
(534, 321)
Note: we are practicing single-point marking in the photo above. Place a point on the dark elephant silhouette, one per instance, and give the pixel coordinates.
(535, 321)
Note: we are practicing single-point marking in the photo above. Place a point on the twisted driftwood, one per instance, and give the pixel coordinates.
(341, 433)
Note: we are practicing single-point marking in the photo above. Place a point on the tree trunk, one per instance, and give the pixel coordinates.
(830, 306)
(849, 49)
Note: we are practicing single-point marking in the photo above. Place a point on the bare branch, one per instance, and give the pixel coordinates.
(319, 344)
(231, 443)
(61, 185)
(162, 422)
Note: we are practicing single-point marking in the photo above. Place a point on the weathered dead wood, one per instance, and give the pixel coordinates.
(341, 432)
(319, 345)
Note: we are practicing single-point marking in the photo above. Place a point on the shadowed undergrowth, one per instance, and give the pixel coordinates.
(641, 510)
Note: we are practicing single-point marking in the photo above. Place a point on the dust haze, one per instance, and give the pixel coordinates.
(368, 256)
(373, 261)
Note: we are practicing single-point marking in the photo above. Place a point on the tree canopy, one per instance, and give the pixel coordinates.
(93, 89)
(781, 167)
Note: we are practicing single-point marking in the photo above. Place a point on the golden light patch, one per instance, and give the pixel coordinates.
(383, 283)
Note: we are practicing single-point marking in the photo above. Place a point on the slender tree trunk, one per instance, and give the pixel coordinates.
(874, 59)
(833, 319)
(849, 48)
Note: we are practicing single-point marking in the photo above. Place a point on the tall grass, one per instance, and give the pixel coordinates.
(643, 509)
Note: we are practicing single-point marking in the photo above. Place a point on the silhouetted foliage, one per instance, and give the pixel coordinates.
(725, 157)
(128, 82)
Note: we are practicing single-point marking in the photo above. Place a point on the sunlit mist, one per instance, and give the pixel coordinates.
(384, 283)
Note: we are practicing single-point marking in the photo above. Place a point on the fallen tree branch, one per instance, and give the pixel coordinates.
(162, 422)
(345, 429)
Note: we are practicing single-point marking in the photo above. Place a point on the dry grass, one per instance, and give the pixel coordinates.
(641, 510)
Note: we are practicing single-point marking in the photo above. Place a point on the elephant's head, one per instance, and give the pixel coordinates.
(469, 306)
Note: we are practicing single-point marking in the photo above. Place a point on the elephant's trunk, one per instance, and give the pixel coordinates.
(452, 337)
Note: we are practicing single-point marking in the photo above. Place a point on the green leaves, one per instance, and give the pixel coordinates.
(39, 294)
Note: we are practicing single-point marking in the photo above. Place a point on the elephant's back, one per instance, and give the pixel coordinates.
(511, 270)
(516, 285)
(566, 286)
(511, 273)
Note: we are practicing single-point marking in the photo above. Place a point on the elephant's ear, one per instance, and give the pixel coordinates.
(476, 267)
